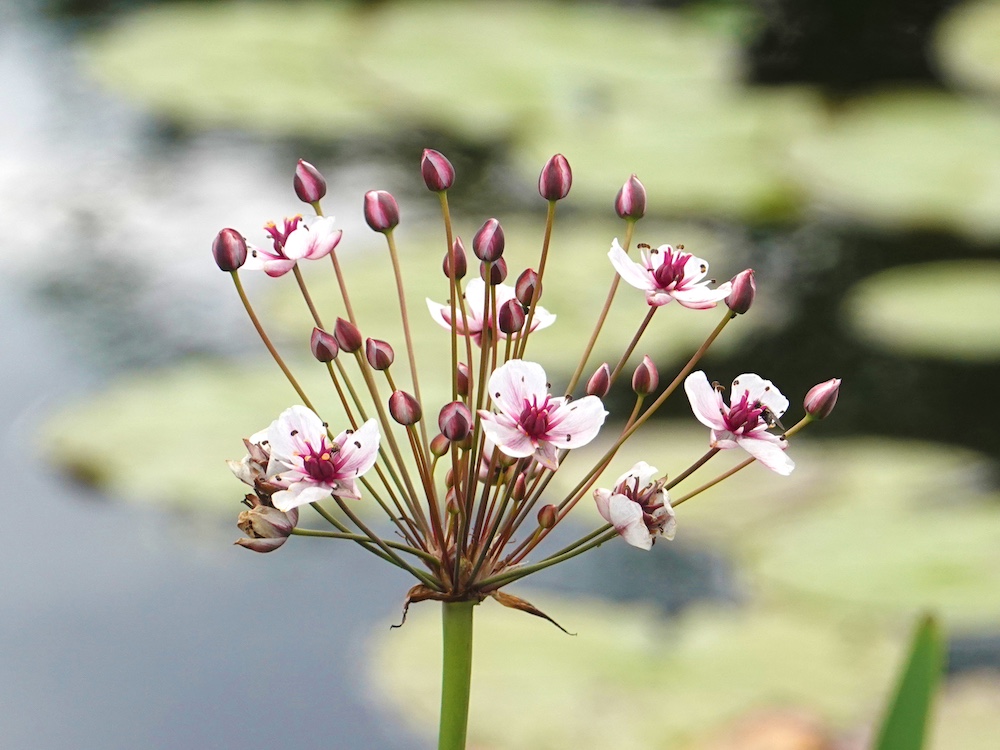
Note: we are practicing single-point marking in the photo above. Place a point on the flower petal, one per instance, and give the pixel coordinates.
(631, 272)
(760, 390)
(547, 455)
(641, 471)
(516, 382)
(300, 493)
(602, 497)
(358, 450)
(706, 402)
(504, 433)
(575, 423)
(626, 517)
(768, 452)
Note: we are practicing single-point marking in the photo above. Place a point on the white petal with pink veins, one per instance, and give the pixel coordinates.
(706, 402)
(300, 493)
(517, 382)
(631, 272)
(768, 452)
(760, 390)
(358, 450)
(626, 517)
(503, 432)
(576, 423)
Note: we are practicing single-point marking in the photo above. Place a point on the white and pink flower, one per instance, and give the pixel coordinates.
(533, 423)
(475, 300)
(294, 241)
(756, 404)
(308, 466)
(638, 507)
(666, 274)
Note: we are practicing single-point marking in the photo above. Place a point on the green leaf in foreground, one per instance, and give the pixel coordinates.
(905, 722)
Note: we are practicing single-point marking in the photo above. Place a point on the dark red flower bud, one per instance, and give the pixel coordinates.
(821, 399)
(510, 318)
(524, 289)
(404, 408)
(455, 264)
(556, 179)
(381, 211)
(744, 291)
(229, 249)
(520, 487)
(462, 375)
(547, 516)
(437, 171)
(630, 202)
(440, 445)
(309, 183)
(455, 421)
(324, 345)
(348, 336)
(646, 378)
(488, 243)
(498, 272)
(600, 382)
(380, 355)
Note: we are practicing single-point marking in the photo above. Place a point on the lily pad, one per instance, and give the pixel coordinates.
(907, 160)
(630, 679)
(891, 309)
(610, 87)
(895, 528)
(966, 45)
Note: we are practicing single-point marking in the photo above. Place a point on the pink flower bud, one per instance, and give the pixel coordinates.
(229, 249)
(744, 291)
(404, 408)
(488, 243)
(380, 355)
(437, 171)
(646, 378)
(440, 445)
(547, 516)
(556, 179)
(463, 379)
(498, 272)
(324, 345)
(309, 183)
(520, 487)
(510, 318)
(381, 211)
(348, 336)
(600, 382)
(630, 202)
(455, 421)
(455, 264)
(524, 289)
(821, 399)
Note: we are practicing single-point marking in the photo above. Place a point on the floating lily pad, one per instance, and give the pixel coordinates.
(315, 68)
(912, 160)
(891, 309)
(630, 679)
(894, 528)
(966, 45)
(614, 88)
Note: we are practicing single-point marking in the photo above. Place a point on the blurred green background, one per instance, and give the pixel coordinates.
(848, 152)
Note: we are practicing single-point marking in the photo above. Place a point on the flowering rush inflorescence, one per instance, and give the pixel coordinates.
(470, 504)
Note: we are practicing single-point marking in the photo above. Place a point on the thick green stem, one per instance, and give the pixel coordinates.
(456, 674)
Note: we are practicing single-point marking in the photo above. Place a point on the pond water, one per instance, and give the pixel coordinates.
(140, 627)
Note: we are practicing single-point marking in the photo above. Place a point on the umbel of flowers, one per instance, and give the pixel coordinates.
(465, 485)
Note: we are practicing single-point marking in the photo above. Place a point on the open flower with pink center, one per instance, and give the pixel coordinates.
(638, 507)
(475, 300)
(531, 422)
(308, 466)
(666, 274)
(755, 405)
(295, 240)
